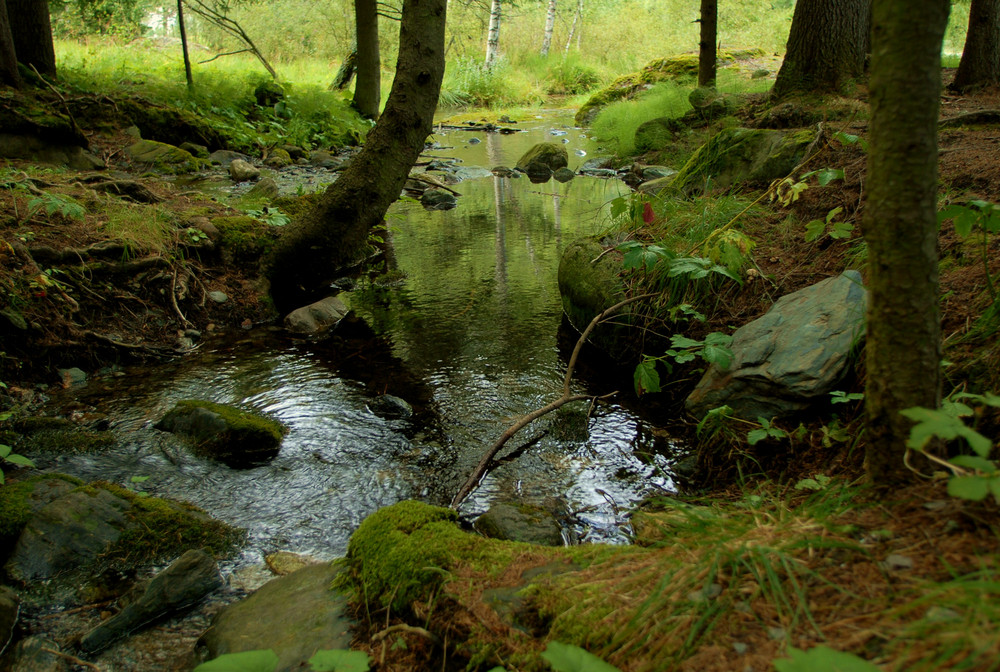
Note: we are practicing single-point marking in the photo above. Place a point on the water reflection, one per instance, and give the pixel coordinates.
(469, 338)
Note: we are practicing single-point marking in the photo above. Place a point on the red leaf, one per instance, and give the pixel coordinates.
(647, 213)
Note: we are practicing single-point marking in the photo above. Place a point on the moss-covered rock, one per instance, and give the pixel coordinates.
(543, 157)
(656, 134)
(742, 155)
(234, 436)
(164, 157)
(19, 500)
(278, 158)
(589, 283)
(244, 239)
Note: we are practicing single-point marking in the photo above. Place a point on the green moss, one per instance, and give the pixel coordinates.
(164, 157)
(161, 529)
(245, 239)
(295, 206)
(239, 420)
(15, 505)
(59, 435)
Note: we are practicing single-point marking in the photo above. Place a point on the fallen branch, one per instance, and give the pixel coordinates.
(409, 629)
(567, 397)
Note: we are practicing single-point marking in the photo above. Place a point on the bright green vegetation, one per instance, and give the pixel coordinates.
(245, 239)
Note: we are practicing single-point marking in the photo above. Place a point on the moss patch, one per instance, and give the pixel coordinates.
(164, 157)
(16, 506)
(243, 239)
(232, 435)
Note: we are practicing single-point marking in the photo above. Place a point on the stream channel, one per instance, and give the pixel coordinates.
(468, 333)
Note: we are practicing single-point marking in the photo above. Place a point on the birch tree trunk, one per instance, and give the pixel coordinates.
(577, 17)
(493, 37)
(550, 23)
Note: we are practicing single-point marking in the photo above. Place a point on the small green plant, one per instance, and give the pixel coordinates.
(837, 230)
(7, 455)
(270, 215)
(195, 235)
(973, 477)
(787, 190)
(841, 397)
(265, 660)
(53, 204)
(984, 215)
(822, 659)
(714, 349)
(765, 431)
(816, 483)
(133, 485)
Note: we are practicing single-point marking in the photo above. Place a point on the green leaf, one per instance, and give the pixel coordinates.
(825, 176)
(19, 459)
(720, 355)
(339, 660)
(815, 229)
(619, 207)
(755, 436)
(646, 377)
(568, 658)
(260, 660)
(969, 487)
(932, 422)
(682, 341)
(974, 462)
(956, 409)
(995, 488)
(4, 450)
(965, 222)
(841, 230)
(822, 659)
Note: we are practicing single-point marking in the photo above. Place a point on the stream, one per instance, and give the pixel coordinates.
(465, 326)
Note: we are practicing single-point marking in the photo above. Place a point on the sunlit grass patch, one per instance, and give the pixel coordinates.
(143, 229)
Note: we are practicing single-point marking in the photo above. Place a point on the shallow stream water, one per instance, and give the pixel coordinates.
(468, 332)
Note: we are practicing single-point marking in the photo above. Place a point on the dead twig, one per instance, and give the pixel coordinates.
(567, 397)
(409, 629)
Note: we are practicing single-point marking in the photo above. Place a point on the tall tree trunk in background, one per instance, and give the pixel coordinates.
(9, 76)
(550, 24)
(184, 45)
(346, 71)
(368, 86)
(32, 33)
(493, 36)
(706, 47)
(577, 18)
(980, 64)
(332, 236)
(900, 226)
(826, 46)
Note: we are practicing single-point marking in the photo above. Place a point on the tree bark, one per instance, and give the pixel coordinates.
(550, 24)
(9, 76)
(826, 47)
(317, 247)
(345, 74)
(900, 226)
(184, 46)
(493, 36)
(577, 18)
(706, 47)
(32, 34)
(980, 64)
(368, 86)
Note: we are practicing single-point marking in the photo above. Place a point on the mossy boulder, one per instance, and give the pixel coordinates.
(590, 282)
(20, 500)
(657, 134)
(543, 158)
(164, 157)
(29, 129)
(278, 158)
(231, 435)
(741, 155)
(244, 239)
(520, 522)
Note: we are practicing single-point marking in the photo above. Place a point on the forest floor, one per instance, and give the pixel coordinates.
(908, 579)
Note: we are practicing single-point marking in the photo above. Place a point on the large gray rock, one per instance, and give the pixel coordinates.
(790, 357)
(231, 435)
(67, 533)
(317, 318)
(243, 171)
(185, 582)
(295, 615)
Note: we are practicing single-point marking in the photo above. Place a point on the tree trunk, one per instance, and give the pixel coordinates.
(184, 46)
(900, 226)
(368, 86)
(550, 24)
(334, 234)
(577, 17)
(493, 36)
(9, 76)
(32, 33)
(706, 47)
(346, 71)
(826, 47)
(980, 64)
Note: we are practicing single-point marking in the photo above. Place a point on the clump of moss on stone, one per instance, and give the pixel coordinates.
(244, 239)
(59, 435)
(295, 206)
(161, 529)
(15, 505)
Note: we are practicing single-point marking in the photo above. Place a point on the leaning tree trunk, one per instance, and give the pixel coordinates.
(980, 64)
(550, 24)
(9, 76)
(900, 227)
(368, 86)
(706, 47)
(493, 36)
(334, 234)
(826, 47)
(32, 33)
(577, 18)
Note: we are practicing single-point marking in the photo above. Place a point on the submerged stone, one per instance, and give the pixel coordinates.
(545, 156)
(233, 436)
(520, 522)
(317, 318)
